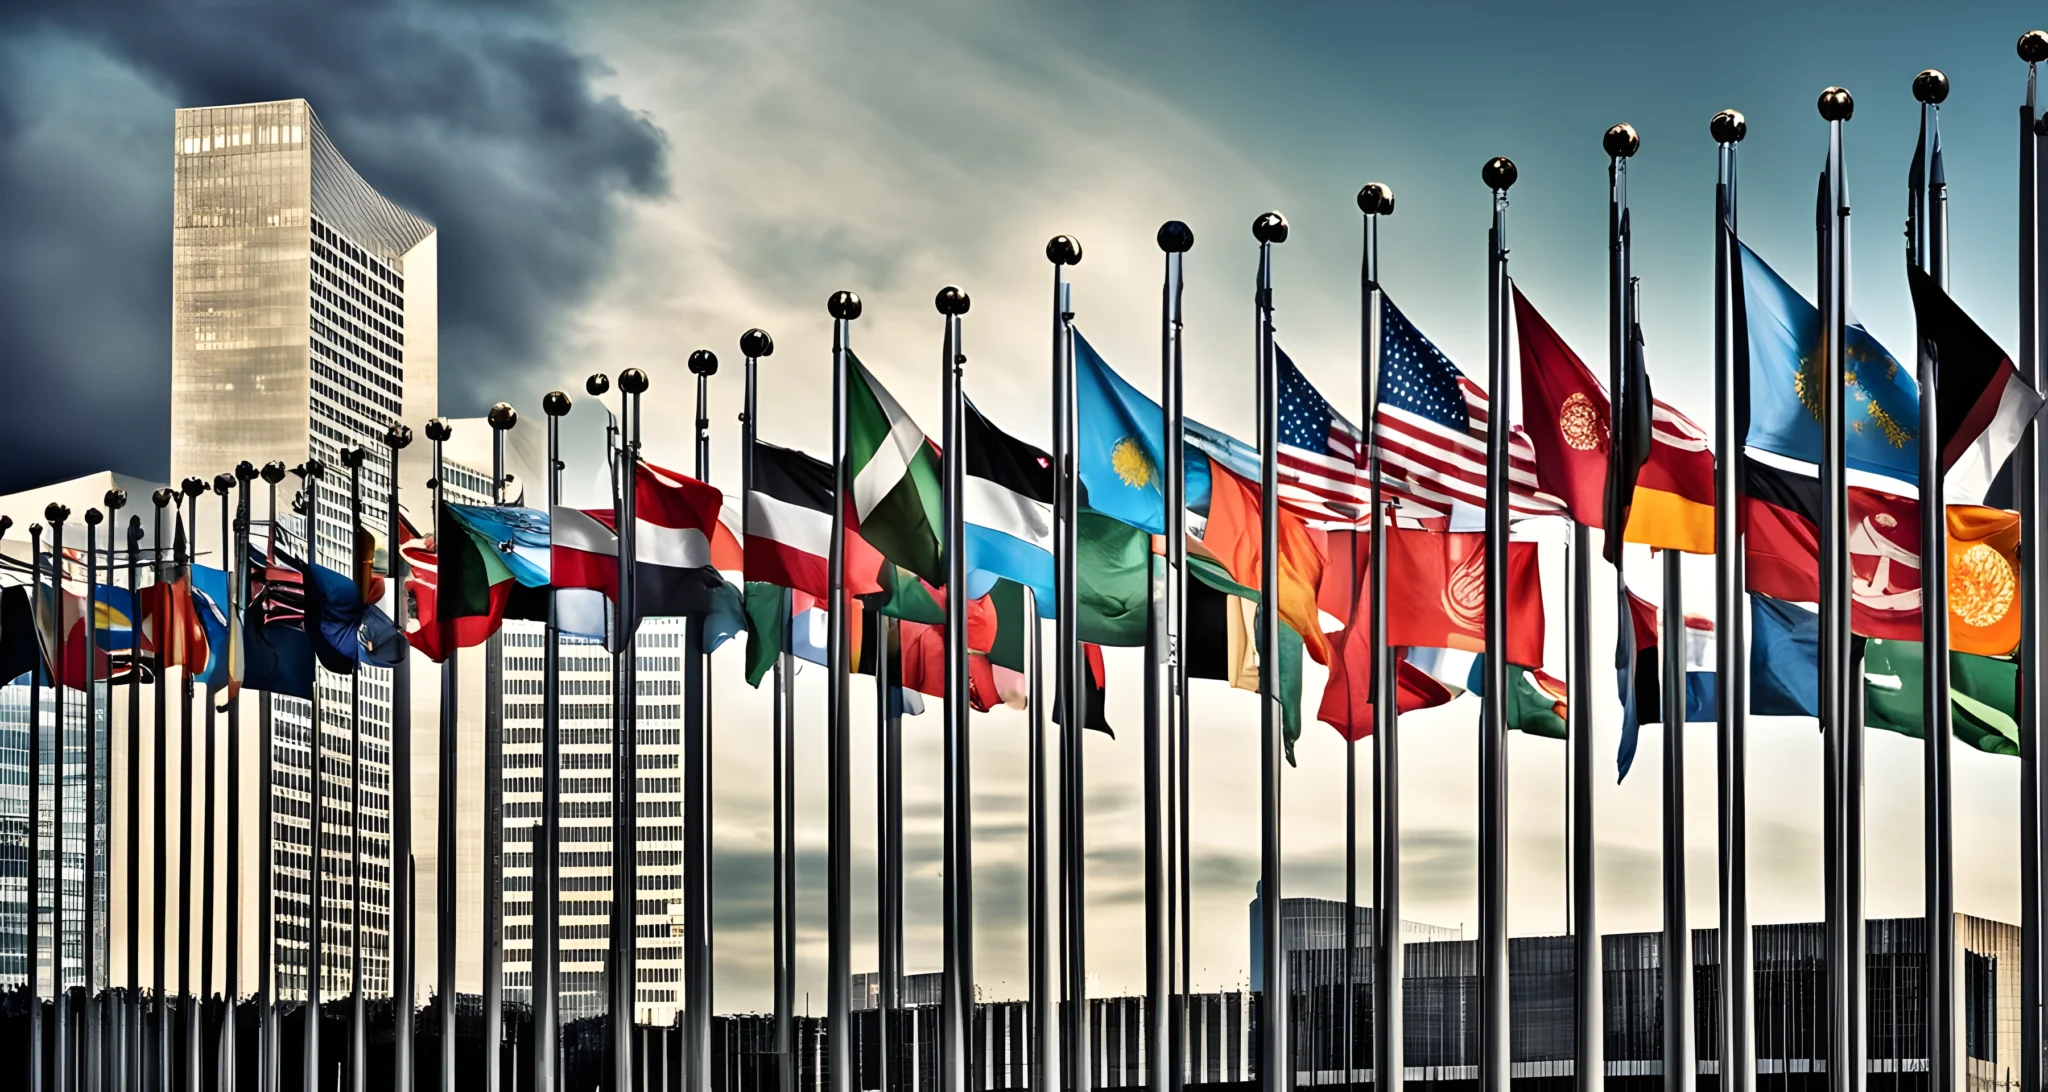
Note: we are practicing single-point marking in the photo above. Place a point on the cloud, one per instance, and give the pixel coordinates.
(477, 117)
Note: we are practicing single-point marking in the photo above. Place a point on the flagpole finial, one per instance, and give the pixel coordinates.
(556, 404)
(273, 471)
(245, 471)
(162, 496)
(1176, 237)
(93, 517)
(757, 343)
(951, 301)
(597, 384)
(1499, 173)
(6, 524)
(844, 306)
(2034, 46)
(194, 487)
(503, 416)
(1063, 250)
(1728, 127)
(1270, 227)
(224, 481)
(1931, 87)
(1376, 199)
(116, 499)
(633, 381)
(1836, 104)
(438, 429)
(704, 362)
(352, 457)
(1621, 141)
(56, 513)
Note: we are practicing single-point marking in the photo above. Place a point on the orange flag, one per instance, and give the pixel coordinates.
(1233, 535)
(1983, 580)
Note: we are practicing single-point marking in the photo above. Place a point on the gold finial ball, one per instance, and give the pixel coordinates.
(503, 416)
(1836, 104)
(2034, 46)
(1499, 173)
(1728, 127)
(633, 381)
(951, 301)
(843, 305)
(1376, 199)
(1270, 227)
(1063, 250)
(1931, 87)
(756, 343)
(555, 404)
(1621, 141)
(1176, 237)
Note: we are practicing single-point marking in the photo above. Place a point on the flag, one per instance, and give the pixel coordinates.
(1982, 403)
(1536, 699)
(1007, 506)
(1670, 504)
(1642, 692)
(1233, 535)
(1782, 540)
(224, 656)
(1634, 415)
(19, 643)
(1113, 569)
(278, 654)
(1121, 442)
(171, 626)
(1222, 639)
(334, 612)
(1094, 684)
(675, 525)
(789, 520)
(1006, 654)
(60, 619)
(768, 608)
(921, 660)
(1347, 693)
(1782, 333)
(1430, 432)
(514, 542)
(116, 611)
(1441, 597)
(893, 475)
(1784, 659)
(1983, 695)
(436, 636)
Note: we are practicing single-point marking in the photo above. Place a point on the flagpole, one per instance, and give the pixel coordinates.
(188, 998)
(697, 848)
(1734, 977)
(358, 1039)
(161, 498)
(1039, 932)
(2033, 49)
(1165, 1034)
(91, 1061)
(223, 483)
(1063, 251)
(35, 814)
(502, 417)
(888, 850)
(755, 344)
(626, 744)
(1275, 1058)
(1389, 1068)
(311, 472)
(438, 431)
(132, 1033)
(237, 568)
(1499, 174)
(844, 307)
(547, 911)
(1845, 1051)
(63, 1068)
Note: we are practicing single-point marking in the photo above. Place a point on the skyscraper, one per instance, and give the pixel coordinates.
(303, 321)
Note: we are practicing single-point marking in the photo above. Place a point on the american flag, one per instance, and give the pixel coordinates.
(1431, 432)
(1321, 474)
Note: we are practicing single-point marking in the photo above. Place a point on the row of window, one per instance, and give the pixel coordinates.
(378, 292)
(324, 364)
(334, 238)
(336, 292)
(362, 335)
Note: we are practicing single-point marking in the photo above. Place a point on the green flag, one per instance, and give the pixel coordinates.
(1113, 563)
(1535, 699)
(1983, 694)
(767, 607)
(905, 597)
(894, 475)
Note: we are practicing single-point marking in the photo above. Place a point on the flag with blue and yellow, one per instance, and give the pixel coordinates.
(1783, 335)
(1121, 443)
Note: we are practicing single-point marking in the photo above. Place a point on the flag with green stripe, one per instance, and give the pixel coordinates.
(1983, 694)
(894, 473)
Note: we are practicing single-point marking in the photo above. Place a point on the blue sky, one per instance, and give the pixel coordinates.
(620, 182)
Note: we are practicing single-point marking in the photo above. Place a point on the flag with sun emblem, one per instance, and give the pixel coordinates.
(1121, 443)
(1983, 580)
(1565, 413)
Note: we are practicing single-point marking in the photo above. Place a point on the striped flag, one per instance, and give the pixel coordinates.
(1007, 504)
(1431, 432)
(789, 520)
(676, 524)
(1322, 477)
(893, 473)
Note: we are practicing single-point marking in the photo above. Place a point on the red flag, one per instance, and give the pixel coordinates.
(1347, 696)
(923, 652)
(425, 629)
(1442, 601)
(171, 628)
(1566, 414)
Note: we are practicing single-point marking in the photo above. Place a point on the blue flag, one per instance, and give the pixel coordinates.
(1784, 659)
(518, 537)
(1122, 443)
(1785, 371)
(210, 596)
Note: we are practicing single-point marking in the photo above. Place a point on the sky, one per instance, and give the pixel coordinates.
(617, 183)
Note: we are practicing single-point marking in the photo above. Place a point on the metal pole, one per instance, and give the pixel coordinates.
(396, 437)
(626, 746)
(91, 1062)
(438, 432)
(222, 484)
(1926, 248)
(311, 471)
(1845, 1054)
(237, 568)
(956, 1001)
(1499, 174)
(697, 847)
(1735, 975)
(61, 1068)
(502, 417)
(1375, 200)
(844, 307)
(547, 907)
(192, 1010)
(2033, 49)
(132, 1033)
(1063, 251)
(888, 852)
(1680, 1073)
(34, 967)
(161, 498)
(1275, 1058)
(358, 1035)
(1165, 1040)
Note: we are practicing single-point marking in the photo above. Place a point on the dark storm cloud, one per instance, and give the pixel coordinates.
(476, 116)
